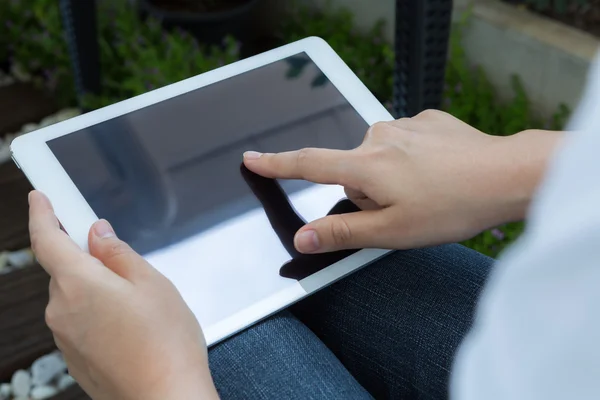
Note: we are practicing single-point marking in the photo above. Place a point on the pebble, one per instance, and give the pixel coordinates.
(5, 391)
(46, 368)
(21, 258)
(67, 113)
(51, 120)
(21, 383)
(19, 73)
(64, 382)
(43, 392)
(6, 80)
(28, 128)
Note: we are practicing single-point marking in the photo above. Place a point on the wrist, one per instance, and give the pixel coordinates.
(521, 161)
(202, 387)
(192, 382)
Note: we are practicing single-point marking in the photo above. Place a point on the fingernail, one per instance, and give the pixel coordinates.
(252, 155)
(103, 230)
(307, 241)
(29, 198)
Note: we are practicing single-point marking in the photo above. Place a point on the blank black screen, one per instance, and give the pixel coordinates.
(171, 170)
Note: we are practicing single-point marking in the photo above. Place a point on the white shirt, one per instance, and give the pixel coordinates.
(537, 330)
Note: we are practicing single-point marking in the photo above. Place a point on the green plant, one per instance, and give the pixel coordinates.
(139, 55)
(33, 38)
(136, 55)
(471, 97)
(366, 53)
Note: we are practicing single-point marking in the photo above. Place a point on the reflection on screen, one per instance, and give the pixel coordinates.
(168, 176)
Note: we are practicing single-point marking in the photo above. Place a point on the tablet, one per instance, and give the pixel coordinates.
(165, 168)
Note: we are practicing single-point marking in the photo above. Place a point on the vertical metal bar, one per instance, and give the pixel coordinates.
(80, 24)
(421, 48)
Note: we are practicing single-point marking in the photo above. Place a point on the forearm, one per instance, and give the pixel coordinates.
(522, 160)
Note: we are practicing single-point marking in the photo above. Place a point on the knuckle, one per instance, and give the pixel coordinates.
(303, 158)
(377, 129)
(428, 114)
(117, 249)
(51, 317)
(340, 231)
(402, 123)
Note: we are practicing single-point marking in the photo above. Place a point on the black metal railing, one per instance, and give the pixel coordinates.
(80, 25)
(421, 49)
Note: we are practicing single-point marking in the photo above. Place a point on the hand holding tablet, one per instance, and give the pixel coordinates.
(123, 328)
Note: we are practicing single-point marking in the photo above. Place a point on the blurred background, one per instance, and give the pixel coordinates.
(500, 65)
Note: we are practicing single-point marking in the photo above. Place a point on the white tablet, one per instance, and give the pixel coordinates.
(165, 168)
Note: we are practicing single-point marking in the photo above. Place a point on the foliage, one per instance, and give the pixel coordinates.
(32, 35)
(367, 54)
(470, 97)
(136, 55)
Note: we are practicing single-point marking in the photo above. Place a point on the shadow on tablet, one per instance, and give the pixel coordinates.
(285, 221)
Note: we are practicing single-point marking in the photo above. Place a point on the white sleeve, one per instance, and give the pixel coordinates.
(537, 330)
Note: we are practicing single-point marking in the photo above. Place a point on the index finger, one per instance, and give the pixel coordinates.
(316, 165)
(53, 248)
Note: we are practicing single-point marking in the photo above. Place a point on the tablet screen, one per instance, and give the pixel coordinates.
(169, 179)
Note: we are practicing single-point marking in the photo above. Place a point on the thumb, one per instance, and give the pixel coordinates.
(357, 230)
(115, 254)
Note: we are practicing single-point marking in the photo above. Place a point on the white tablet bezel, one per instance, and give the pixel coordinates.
(33, 156)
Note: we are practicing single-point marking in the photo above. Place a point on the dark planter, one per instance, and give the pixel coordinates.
(210, 27)
(4, 64)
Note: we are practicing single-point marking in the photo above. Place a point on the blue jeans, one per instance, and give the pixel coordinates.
(389, 331)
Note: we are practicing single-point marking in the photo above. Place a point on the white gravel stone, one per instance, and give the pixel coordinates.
(46, 368)
(21, 258)
(64, 382)
(43, 392)
(19, 73)
(5, 391)
(67, 113)
(51, 120)
(6, 80)
(28, 128)
(21, 383)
